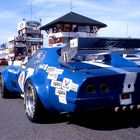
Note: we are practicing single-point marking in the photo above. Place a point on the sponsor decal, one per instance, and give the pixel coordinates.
(61, 88)
(43, 66)
(61, 95)
(74, 87)
(56, 84)
(21, 80)
(13, 71)
(21, 25)
(74, 43)
(66, 85)
(58, 71)
(33, 23)
(50, 69)
(60, 92)
(52, 76)
(62, 100)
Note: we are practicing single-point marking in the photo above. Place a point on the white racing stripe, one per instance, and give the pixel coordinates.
(119, 70)
(97, 64)
(129, 82)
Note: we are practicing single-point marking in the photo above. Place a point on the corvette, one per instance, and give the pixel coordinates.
(83, 75)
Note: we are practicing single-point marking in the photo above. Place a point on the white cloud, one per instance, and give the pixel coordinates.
(134, 14)
(34, 2)
(7, 15)
(91, 6)
(46, 2)
(121, 29)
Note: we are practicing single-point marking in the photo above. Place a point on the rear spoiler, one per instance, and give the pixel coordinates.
(100, 45)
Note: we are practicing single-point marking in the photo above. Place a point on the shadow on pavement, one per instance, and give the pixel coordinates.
(107, 120)
(97, 120)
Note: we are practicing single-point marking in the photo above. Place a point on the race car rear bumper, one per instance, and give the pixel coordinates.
(108, 102)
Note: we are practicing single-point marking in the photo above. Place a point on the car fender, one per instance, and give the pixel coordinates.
(48, 93)
(11, 78)
(42, 87)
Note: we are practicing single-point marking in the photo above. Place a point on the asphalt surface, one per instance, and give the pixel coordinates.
(104, 125)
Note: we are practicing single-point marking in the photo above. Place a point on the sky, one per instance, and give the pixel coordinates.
(121, 16)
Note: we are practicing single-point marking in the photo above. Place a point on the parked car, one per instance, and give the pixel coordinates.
(69, 79)
(3, 62)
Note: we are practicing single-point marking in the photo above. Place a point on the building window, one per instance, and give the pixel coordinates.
(88, 29)
(66, 27)
(81, 28)
(74, 28)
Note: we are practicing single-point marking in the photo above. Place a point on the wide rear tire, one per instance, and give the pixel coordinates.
(33, 106)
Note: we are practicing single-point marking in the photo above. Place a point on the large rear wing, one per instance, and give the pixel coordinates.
(100, 45)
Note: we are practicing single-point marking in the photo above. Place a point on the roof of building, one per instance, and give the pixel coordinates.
(74, 18)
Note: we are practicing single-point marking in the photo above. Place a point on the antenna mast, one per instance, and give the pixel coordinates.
(71, 7)
(31, 11)
(127, 31)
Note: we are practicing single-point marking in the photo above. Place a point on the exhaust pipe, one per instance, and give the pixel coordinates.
(138, 107)
(132, 107)
(117, 109)
(124, 108)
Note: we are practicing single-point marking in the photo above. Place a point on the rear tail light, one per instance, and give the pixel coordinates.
(104, 88)
(125, 96)
(91, 89)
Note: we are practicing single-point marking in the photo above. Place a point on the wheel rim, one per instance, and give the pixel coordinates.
(30, 101)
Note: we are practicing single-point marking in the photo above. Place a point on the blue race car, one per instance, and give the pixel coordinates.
(86, 74)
